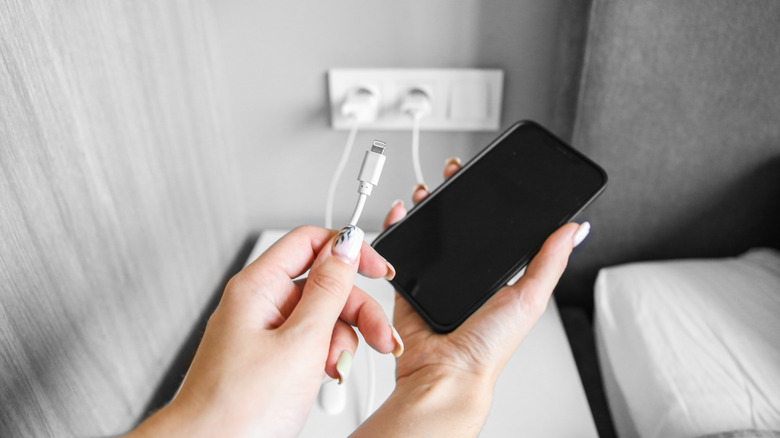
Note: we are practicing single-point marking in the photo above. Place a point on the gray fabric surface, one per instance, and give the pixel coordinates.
(570, 54)
(120, 208)
(680, 102)
(750, 433)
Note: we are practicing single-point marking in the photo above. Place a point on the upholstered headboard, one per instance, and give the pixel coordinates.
(680, 102)
(119, 210)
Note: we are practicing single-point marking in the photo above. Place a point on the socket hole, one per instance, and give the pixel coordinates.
(363, 92)
(417, 92)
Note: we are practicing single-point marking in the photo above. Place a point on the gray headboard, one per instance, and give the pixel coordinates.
(680, 102)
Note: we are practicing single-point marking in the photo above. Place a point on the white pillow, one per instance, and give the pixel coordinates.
(693, 346)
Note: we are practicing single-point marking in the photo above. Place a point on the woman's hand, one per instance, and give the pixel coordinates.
(458, 370)
(261, 360)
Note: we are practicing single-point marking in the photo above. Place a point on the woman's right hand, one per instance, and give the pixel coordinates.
(452, 375)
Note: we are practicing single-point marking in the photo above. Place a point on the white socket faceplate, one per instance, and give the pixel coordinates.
(461, 99)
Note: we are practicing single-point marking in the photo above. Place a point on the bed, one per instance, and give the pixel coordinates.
(691, 347)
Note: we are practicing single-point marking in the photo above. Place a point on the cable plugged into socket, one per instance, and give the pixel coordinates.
(361, 104)
(416, 103)
(462, 99)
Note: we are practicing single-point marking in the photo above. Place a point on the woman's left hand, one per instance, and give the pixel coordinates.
(444, 382)
(261, 360)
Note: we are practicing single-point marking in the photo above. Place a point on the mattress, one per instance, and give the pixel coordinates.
(691, 347)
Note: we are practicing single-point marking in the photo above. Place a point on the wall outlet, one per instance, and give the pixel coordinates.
(461, 99)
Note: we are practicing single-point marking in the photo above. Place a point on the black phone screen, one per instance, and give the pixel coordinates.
(470, 236)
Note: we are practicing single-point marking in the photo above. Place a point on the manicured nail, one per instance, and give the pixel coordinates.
(399, 343)
(452, 160)
(347, 245)
(397, 202)
(582, 233)
(390, 271)
(344, 365)
(420, 187)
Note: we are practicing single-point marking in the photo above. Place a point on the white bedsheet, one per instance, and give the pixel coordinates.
(691, 347)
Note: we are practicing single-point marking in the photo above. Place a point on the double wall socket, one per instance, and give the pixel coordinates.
(461, 99)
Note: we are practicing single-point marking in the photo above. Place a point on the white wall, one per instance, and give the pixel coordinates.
(274, 57)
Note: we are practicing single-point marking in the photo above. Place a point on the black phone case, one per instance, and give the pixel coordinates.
(502, 281)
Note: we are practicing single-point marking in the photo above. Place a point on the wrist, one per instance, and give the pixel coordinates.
(173, 420)
(433, 401)
(451, 389)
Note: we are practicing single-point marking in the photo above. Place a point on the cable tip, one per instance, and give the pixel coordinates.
(378, 147)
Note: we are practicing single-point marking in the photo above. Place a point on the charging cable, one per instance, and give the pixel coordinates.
(368, 407)
(416, 104)
(361, 105)
(370, 171)
(337, 174)
(332, 398)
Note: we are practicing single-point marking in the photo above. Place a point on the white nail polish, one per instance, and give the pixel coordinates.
(348, 243)
(390, 271)
(452, 160)
(399, 343)
(582, 233)
(344, 365)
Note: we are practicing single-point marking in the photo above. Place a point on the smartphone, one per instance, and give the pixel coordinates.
(476, 231)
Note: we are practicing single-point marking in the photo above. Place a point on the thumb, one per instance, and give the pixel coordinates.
(330, 282)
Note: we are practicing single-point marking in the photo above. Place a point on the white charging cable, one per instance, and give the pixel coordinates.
(332, 398)
(417, 104)
(370, 171)
(361, 105)
(368, 407)
(337, 174)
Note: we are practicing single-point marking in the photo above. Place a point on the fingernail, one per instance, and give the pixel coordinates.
(582, 233)
(390, 271)
(452, 160)
(420, 187)
(397, 202)
(344, 365)
(347, 245)
(399, 343)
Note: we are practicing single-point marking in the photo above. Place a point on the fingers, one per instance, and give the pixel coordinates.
(548, 265)
(406, 319)
(419, 193)
(516, 308)
(397, 212)
(511, 313)
(451, 166)
(294, 253)
(342, 342)
(362, 311)
(267, 279)
(288, 258)
(373, 265)
(329, 283)
(262, 293)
